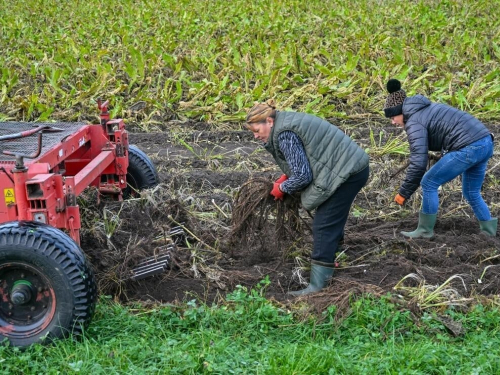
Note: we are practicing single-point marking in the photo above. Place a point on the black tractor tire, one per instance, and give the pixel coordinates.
(47, 288)
(141, 172)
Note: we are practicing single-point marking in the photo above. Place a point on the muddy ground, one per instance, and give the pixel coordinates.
(202, 168)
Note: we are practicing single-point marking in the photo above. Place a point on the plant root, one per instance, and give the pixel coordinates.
(256, 213)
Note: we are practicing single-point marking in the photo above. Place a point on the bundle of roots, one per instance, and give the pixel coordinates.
(257, 216)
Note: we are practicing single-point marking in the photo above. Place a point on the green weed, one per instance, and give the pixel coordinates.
(391, 146)
(248, 334)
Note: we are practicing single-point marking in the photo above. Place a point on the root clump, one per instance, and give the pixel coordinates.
(258, 218)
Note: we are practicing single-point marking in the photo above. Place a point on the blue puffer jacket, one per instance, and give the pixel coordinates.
(434, 127)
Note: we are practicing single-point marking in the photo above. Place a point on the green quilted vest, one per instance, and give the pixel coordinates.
(333, 156)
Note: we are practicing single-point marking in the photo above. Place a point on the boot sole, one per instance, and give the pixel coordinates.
(427, 237)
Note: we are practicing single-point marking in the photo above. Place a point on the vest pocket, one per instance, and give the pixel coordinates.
(314, 196)
(319, 188)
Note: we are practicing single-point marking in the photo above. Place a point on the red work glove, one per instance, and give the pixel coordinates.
(276, 192)
(283, 178)
(399, 199)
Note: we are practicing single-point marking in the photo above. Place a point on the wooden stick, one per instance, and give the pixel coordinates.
(400, 170)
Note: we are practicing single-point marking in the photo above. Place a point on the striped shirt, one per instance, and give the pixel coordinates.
(292, 148)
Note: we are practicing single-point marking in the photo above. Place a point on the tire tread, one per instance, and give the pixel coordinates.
(55, 244)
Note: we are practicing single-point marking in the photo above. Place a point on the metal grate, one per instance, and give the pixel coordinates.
(157, 263)
(28, 145)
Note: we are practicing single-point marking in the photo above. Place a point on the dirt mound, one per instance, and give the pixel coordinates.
(201, 174)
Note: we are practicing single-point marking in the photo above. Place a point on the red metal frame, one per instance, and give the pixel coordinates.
(45, 189)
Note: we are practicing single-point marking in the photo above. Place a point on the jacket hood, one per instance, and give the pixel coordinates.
(414, 104)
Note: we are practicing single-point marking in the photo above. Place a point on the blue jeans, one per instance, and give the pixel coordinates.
(470, 161)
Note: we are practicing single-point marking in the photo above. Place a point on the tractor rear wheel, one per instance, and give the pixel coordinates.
(47, 288)
(141, 172)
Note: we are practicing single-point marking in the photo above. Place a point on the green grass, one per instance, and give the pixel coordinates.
(248, 334)
(209, 60)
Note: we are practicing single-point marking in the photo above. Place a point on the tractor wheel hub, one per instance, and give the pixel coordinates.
(21, 294)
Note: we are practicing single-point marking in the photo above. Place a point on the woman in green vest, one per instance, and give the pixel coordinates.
(324, 164)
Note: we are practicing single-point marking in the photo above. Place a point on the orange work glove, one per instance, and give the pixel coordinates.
(283, 178)
(399, 199)
(276, 192)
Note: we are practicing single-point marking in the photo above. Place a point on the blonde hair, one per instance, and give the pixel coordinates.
(260, 111)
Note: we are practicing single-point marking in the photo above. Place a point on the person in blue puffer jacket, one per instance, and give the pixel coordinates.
(465, 144)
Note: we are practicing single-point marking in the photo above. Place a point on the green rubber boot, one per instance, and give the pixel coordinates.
(489, 227)
(425, 227)
(321, 273)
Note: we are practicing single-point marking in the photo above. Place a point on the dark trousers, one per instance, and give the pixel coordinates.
(331, 216)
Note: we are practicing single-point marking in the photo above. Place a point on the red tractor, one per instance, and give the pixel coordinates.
(47, 288)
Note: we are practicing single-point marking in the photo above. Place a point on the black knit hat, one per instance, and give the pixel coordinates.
(394, 103)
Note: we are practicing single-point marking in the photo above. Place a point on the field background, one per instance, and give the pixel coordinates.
(207, 60)
(182, 74)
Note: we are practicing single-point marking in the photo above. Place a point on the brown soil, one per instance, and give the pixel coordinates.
(201, 170)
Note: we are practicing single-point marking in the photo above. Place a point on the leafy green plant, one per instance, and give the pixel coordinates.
(202, 153)
(247, 333)
(176, 58)
(111, 221)
(392, 146)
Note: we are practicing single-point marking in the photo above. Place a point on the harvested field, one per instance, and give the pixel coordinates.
(201, 170)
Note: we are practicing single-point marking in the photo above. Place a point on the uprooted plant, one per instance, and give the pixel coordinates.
(427, 296)
(258, 217)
